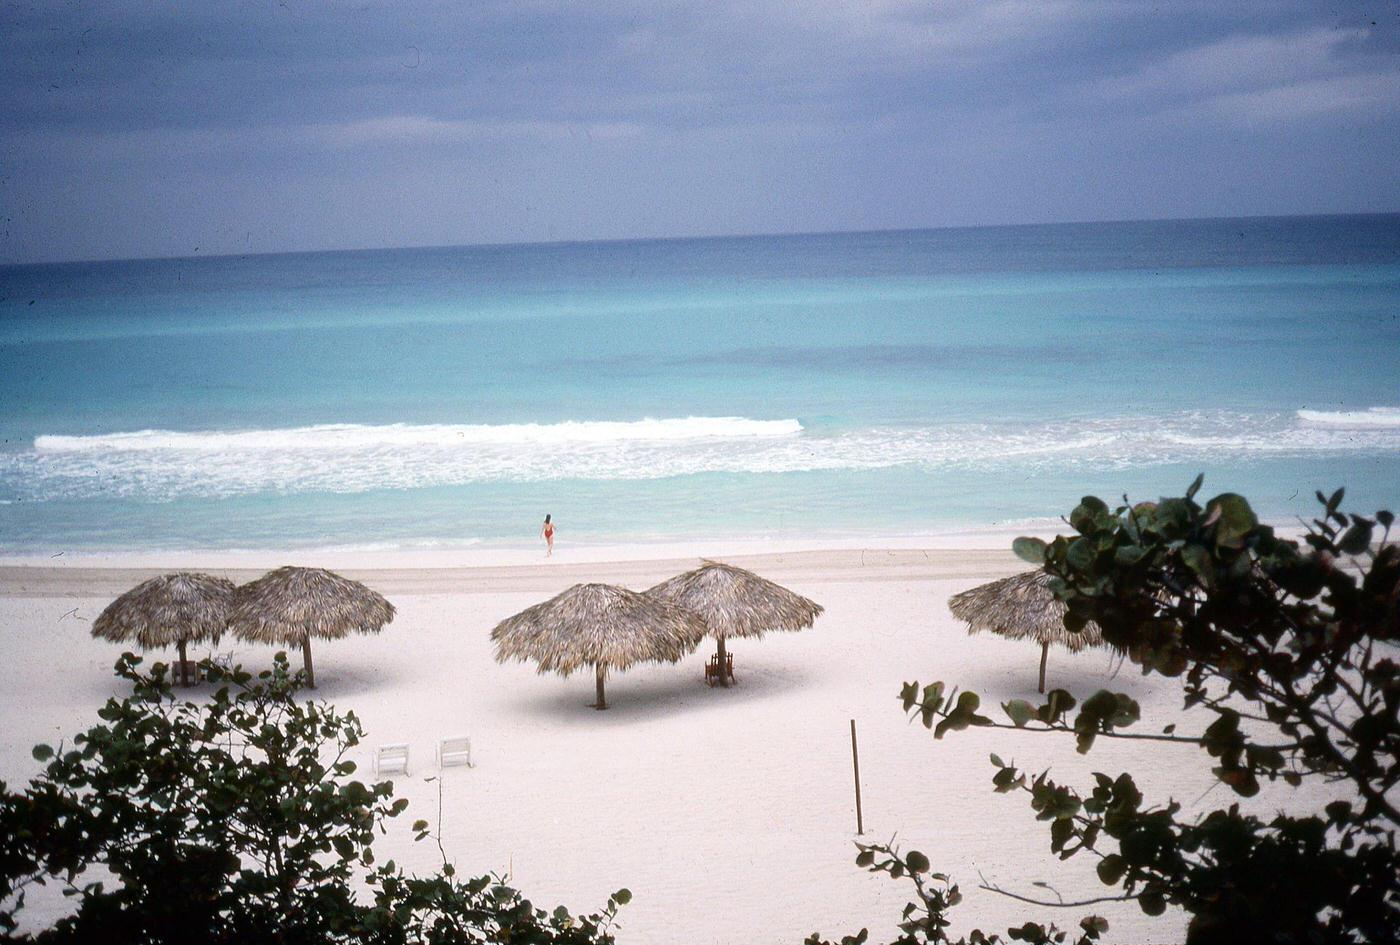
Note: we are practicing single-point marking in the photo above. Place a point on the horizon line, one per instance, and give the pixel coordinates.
(522, 244)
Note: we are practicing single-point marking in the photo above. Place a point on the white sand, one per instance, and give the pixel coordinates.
(728, 813)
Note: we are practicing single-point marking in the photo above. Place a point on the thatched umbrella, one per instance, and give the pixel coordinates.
(597, 625)
(178, 609)
(1022, 607)
(289, 606)
(736, 603)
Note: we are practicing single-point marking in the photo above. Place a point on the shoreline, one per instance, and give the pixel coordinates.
(476, 554)
(111, 577)
(475, 568)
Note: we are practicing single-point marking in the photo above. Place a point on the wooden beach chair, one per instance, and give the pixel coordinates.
(712, 668)
(185, 672)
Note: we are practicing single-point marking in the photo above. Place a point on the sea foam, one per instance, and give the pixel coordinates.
(347, 458)
(1370, 417)
(350, 436)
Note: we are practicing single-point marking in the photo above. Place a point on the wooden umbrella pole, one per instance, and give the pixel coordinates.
(724, 679)
(184, 665)
(306, 658)
(1044, 655)
(602, 703)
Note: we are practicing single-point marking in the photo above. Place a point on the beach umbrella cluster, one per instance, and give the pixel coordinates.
(609, 627)
(596, 626)
(285, 607)
(1022, 607)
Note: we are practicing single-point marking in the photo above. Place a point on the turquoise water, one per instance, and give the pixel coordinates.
(899, 382)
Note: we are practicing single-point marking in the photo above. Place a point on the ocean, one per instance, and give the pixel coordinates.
(834, 386)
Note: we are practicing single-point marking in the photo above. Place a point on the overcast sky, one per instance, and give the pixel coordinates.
(154, 129)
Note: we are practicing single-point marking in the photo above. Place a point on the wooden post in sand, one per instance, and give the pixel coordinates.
(1044, 655)
(855, 763)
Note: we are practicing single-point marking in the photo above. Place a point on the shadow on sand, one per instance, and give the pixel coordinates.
(1084, 676)
(647, 696)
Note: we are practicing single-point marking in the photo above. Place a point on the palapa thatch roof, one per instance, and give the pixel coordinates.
(167, 609)
(1021, 607)
(597, 624)
(289, 605)
(737, 603)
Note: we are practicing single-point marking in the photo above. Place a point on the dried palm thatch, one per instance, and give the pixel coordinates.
(170, 610)
(1022, 607)
(736, 603)
(597, 625)
(289, 606)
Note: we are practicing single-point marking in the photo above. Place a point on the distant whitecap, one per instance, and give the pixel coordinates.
(1370, 417)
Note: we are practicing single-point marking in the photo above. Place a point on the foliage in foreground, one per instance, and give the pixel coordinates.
(237, 821)
(1288, 655)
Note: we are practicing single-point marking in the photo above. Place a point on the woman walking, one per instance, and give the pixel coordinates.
(547, 530)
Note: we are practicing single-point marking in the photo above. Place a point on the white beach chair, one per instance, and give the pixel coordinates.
(455, 751)
(391, 759)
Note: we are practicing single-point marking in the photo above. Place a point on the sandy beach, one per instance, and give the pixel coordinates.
(728, 813)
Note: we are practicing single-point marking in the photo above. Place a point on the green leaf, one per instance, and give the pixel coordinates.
(1195, 486)
(1129, 555)
(917, 862)
(1082, 518)
(908, 695)
(42, 752)
(1235, 519)
(1095, 923)
(622, 897)
(1198, 559)
(1111, 869)
(996, 760)
(1152, 902)
(1080, 555)
(1031, 550)
(1356, 539)
(1005, 779)
(1019, 711)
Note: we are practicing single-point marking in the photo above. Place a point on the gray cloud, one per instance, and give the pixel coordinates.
(142, 129)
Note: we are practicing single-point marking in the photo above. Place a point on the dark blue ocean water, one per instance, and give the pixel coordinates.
(829, 385)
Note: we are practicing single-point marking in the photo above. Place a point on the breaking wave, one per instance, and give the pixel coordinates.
(1370, 417)
(348, 458)
(352, 436)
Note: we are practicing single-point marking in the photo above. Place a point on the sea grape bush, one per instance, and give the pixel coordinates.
(1286, 652)
(237, 821)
